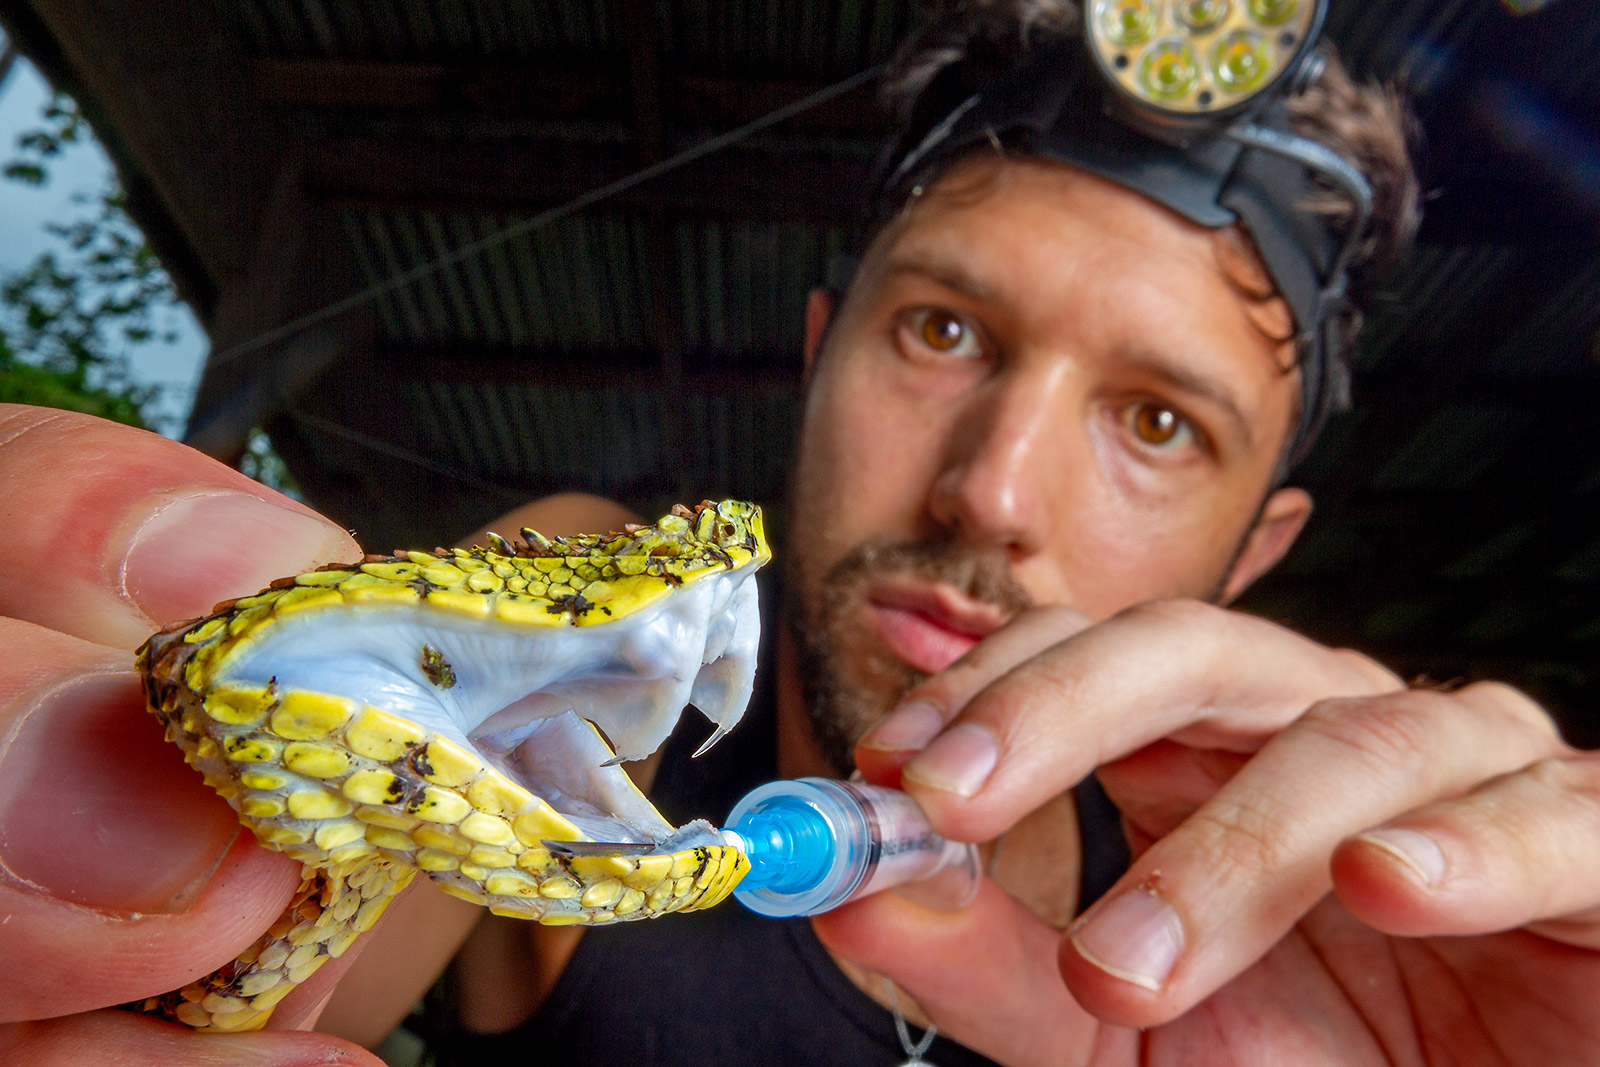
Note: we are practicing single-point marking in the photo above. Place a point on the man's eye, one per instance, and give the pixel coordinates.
(1159, 426)
(944, 332)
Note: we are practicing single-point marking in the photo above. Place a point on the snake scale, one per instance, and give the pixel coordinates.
(463, 712)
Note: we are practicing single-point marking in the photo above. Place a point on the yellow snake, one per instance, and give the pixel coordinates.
(443, 712)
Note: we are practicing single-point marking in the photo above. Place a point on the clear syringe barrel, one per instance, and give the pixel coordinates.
(815, 843)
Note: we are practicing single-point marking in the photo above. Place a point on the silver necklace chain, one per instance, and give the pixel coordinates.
(914, 1052)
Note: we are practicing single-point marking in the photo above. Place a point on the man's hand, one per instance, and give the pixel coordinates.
(1329, 868)
(121, 874)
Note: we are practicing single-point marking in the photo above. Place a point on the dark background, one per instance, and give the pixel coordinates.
(284, 153)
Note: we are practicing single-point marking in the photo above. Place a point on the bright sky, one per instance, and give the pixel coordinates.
(25, 209)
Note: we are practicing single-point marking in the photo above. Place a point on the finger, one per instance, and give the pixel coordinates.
(121, 874)
(1212, 897)
(1182, 670)
(125, 1040)
(113, 532)
(1162, 784)
(1028, 1018)
(1516, 852)
(925, 708)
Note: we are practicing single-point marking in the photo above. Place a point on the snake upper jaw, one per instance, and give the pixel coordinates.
(566, 741)
(534, 703)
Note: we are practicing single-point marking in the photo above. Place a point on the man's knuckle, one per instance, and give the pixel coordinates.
(1246, 834)
(1511, 704)
(1181, 610)
(1013, 703)
(1392, 733)
(1373, 673)
(1177, 619)
(1576, 778)
(1058, 618)
(1567, 795)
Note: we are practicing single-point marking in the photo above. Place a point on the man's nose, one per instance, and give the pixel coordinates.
(1005, 455)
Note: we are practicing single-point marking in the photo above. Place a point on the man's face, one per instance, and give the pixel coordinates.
(1041, 389)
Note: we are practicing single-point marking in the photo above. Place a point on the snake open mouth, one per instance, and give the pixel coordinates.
(464, 713)
(540, 704)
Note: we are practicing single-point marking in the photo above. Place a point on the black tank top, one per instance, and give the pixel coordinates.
(727, 986)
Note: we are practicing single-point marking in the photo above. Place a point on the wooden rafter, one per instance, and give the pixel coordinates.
(545, 92)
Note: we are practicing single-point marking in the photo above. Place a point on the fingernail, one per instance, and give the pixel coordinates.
(1136, 937)
(184, 553)
(958, 761)
(908, 728)
(1413, 848)
(97, 809)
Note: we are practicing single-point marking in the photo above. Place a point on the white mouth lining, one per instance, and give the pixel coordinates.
(520, 695)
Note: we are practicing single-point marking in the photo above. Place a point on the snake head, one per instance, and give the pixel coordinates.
(465, 711)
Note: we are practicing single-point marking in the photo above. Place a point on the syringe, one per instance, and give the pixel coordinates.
(815, 843)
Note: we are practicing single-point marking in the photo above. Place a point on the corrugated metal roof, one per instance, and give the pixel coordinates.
(1454, 447)
(452, 30)
(780, 38)
(1427, 297)
(610, 439)
(1583, 565)
(1380, 39)
(582, 285)
(1561, 335)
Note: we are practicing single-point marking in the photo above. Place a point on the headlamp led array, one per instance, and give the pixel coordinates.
(1181, 58)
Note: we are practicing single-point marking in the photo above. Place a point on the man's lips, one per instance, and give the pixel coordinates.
(929, 629)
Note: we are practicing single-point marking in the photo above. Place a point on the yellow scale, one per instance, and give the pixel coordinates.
(364, 797)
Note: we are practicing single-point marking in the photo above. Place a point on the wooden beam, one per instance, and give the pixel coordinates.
(206, 168)
(643, 35)
(8, 56)
(644, 79)
(536, 90)
(775, 376)
(293, 269)
(546, 92)
(524, 177)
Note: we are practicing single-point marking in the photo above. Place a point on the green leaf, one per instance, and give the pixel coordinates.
(27, 173)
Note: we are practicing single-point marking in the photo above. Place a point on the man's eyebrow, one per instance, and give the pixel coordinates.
(950, 275)
(1206, 388)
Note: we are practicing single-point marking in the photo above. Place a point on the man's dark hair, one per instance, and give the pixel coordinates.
(980, 41)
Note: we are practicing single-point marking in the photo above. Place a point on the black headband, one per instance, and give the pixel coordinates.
(1256, 173)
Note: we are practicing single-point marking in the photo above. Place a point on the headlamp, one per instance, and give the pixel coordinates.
(1183, 102)
(1174, 61)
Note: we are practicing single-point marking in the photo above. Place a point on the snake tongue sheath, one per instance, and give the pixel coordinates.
(443, 712)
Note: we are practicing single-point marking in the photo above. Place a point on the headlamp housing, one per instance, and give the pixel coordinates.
(1181, 66)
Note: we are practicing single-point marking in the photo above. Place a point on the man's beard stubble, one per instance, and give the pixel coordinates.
(833, 638)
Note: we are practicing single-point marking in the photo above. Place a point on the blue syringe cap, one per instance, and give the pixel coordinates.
(790, 845)
(809, 845)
